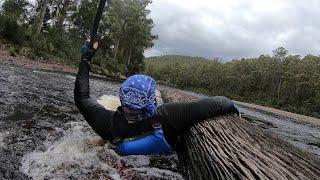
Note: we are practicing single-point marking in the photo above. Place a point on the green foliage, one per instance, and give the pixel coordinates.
(12, 13)
(129, 32)
(252, 80)
(83, 17)
(11, 31)
(59, 28)
(9, 28)
(15, 8)
(280, 53)
(13, 51)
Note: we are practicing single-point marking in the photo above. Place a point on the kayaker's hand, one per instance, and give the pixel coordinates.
(88, 52)
(235, 109)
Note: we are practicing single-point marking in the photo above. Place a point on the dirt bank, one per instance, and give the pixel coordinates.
(37, 64)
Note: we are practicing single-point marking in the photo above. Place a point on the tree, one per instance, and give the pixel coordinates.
(15, 8)
(13, 16)
(83, 17)
(62, 13)
(125, 29)
(279, 55)
(43, 5)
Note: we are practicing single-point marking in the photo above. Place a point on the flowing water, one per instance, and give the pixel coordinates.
(43, 136)
(303, 135)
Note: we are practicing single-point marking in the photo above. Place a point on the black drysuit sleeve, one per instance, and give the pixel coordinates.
(95, 114)
(178, 117)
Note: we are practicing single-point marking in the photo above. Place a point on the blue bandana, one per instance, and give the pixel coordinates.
(138, 92)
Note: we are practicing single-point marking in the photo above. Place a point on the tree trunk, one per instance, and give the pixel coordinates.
(279, 88)
(59, 2)
(129, 58)
(116, 51)
(118, 42)
(228, 147)
(40, 18)
(62, 14)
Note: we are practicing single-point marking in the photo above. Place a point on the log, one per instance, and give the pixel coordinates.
(229, 147)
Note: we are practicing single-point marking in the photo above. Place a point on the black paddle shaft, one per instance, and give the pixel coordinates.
(97, 21)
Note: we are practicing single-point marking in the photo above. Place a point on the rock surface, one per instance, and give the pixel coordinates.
(229, 147)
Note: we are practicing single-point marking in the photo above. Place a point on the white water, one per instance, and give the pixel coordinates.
(1, 140)
(74, 155)
(2, 137)
(109, 102)
(79, 154)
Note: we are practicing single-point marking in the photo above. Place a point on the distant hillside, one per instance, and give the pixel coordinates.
(283, 81)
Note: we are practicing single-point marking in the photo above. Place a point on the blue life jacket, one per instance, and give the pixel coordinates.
(151, 144)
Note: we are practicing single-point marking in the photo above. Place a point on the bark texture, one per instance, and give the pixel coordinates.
(62, 14)
(228, 147)
(39, 22)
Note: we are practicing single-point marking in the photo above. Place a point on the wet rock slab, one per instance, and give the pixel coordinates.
(298, 133)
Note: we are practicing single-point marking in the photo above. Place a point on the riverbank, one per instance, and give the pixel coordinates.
(58, 67)
(47, 65)
(51, 66)
(278, 112)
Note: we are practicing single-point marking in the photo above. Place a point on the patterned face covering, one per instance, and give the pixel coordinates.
(131, 115)
(138, 93)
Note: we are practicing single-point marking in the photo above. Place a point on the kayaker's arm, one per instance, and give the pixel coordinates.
(178, 117)
(95, 114)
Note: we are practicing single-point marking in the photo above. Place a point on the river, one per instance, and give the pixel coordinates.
(43, 136)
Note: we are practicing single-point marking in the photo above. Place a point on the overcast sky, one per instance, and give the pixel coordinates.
(235, 28)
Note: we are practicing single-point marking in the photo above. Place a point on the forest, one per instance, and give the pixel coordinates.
(48, 29)
(283, 81)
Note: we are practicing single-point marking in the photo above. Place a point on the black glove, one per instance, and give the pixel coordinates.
(235, 109)
(87, 52)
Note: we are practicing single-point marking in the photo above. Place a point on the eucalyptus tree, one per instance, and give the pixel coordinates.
(279, 55)
(43, 5)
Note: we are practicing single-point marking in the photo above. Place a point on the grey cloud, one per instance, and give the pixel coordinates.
(243, 32)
